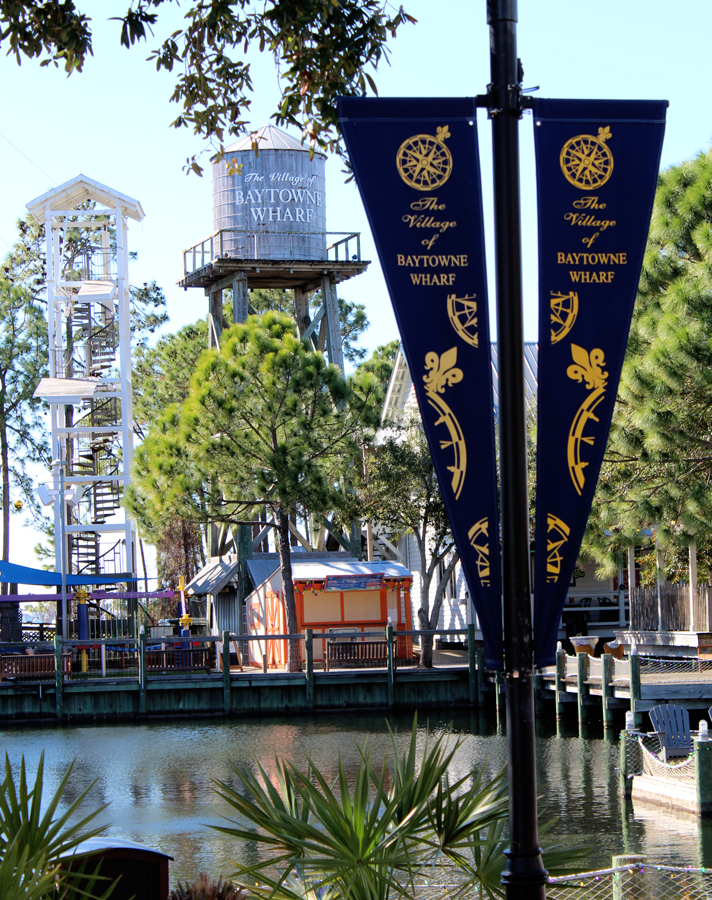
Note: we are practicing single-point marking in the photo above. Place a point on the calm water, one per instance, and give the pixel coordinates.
(157, 780)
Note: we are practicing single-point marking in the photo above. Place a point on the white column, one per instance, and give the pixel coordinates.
(124, 311)
(51, 275)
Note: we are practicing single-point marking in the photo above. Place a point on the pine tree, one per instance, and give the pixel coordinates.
(23, 361)
(267, 423)
(658, 464)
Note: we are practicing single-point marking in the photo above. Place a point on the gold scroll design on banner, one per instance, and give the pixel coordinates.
(587, 368)
(423, 160)
(557, 534)
(586, 161)
(479, 540)
(564, 310)
(462, 312)
(442, 373)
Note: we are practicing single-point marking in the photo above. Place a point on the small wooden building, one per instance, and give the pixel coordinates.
(346, 596)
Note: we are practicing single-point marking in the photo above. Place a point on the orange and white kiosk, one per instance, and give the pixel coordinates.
(345, 597)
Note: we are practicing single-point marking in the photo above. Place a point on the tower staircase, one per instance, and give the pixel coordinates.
(89, 385)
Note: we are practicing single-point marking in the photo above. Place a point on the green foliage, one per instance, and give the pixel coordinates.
(353, 321)
(148, 312)
(23, 361)
(33, 841)
(23, 877)
(381, 365)
(658, 465)
(205, 888)
(267, 423)
(368, 836)
(400, 493)
(162, 373)
(322, 49)
(52, 31)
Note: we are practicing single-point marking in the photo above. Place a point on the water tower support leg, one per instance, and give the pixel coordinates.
(301, 302)
(215, 317)
(333, 328)
(240, 298)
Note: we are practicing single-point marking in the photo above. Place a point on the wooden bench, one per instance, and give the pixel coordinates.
(33, 666)
(356, 653)
(181, 660)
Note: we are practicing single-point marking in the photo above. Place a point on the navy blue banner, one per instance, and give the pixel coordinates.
(417, 167)
(597, 167)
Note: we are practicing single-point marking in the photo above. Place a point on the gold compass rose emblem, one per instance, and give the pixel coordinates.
(423, 161)
(586, 161)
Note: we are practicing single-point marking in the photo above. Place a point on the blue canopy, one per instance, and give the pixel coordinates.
(14, 574)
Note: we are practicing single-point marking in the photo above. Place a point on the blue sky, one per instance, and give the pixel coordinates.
(111, 122)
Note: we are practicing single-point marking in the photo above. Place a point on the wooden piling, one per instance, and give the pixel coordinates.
(560, 682)
(581, 686)
(309, 645)
(472, 664)
(58, 677)
(630, 883)
(634, 661)
(391, 673)
(606, 688)
(538, 700)
(499, 697)
(703, 776)
(625, 781)
(142, 673)
(226, 672)
(481, 677)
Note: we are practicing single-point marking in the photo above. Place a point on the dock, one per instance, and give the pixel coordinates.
(120, 679)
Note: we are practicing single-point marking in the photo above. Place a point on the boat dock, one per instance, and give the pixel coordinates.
(124, 679)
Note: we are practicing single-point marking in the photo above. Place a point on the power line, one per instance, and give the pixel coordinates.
(32, 162)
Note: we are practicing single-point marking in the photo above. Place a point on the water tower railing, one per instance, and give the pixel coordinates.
(345, 246)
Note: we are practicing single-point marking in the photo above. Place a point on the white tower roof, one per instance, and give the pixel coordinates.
(80, 189)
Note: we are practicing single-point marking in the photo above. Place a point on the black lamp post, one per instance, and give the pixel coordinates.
(524, 877)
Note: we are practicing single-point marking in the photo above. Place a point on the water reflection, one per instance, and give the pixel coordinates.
(158, 780)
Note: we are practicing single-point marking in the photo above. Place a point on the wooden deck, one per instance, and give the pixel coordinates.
(637, 683)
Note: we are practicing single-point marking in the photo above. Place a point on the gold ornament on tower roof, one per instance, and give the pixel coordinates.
(424, 162)
(586, 161)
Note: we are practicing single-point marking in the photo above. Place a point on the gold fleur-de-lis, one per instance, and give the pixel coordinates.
(588, 367)
(604, 133)
(441, 370)
(443, 133)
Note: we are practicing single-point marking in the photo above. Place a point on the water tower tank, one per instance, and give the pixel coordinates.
(276, 204)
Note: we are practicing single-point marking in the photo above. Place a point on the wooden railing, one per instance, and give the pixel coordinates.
(34, 667)
(345, 246)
